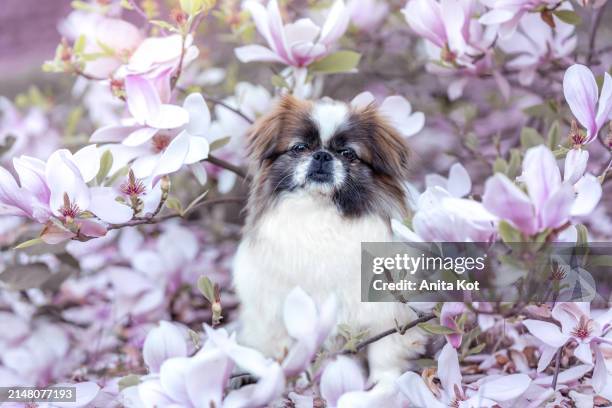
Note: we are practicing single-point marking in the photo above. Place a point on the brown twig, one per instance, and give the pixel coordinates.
(361, 345)
(218, 101)
(156, 220)
(593, 34)
(557, 368)
(227, 165)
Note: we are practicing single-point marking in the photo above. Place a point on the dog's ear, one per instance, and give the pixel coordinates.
(389, 150)
(265, 136)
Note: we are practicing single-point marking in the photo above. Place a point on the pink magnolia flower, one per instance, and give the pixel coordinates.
(577, 325)
(508, 13)
(443, 215)
(58, 188)
(163, 342)
(368, 15)
(397, 110)
(307, 326)
(536, 43)
(111, 38)
(339, 377)
(581, 94)
(489, 391)
(549, 202)
(296, 44)
(165, 137)
(201, 380)
(450, 310)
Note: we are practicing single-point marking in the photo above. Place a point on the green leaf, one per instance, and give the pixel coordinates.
(568, 16)
(508, 233)
(195, 202)
(583, 236)
(554, 135)
(207, 288)
(514, 165)
(192, 7)
(341, 61)
(106, 163)
(30, 243)
(477, 349)
(500, 166)
(279, 82)
(530, 138)
(219, 143)
(164, 25)
(128, 381)
(174, 204)
(79, 44)
(434, 328)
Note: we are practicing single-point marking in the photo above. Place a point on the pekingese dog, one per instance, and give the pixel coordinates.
(325, 177)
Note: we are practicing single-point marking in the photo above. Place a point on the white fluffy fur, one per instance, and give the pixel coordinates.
(304, 241)
(329, 116)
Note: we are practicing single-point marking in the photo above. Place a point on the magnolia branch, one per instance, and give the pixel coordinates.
(401, 330)
(156, 220)
(227, 165)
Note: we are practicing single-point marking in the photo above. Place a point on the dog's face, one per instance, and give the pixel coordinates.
(353, 157)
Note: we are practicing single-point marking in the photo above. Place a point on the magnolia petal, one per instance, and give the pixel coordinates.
(144, 166)
(206, 378)
(496, 16)
(169, 117)
(112, 133)
(575, 165)
(605, 102)
(173, 378)
(53, 234)
(505, 200)
(449, 371)
(546, 356)
(339, 377)
(260, 18)
(363, 100)
(549, 333)
(173, 157)
(85, 392)
(142, 98)
(299, 314)
(459, 181)
(556, 210)
(411, 385)
(403, 232)
(163, 342)
(565, 377)
(92, 228)
(540, 174)
(140, 136)
(31, 172)
(199, 115)
(105, 206)
(267, 389)
(88, 162)
(250, 53)
(277, 39)
(327, 318)
(588, 194)
(13, 199)
(580, 90)
(64, 178)
(505, 388)
(153, 395)
(600, 372)
(336, 23)
(302, 30)
(583, 353)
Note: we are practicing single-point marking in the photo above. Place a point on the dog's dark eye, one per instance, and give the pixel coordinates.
(348, 154)
(300, 147)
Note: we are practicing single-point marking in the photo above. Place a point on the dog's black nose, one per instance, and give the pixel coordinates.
(322, 156)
